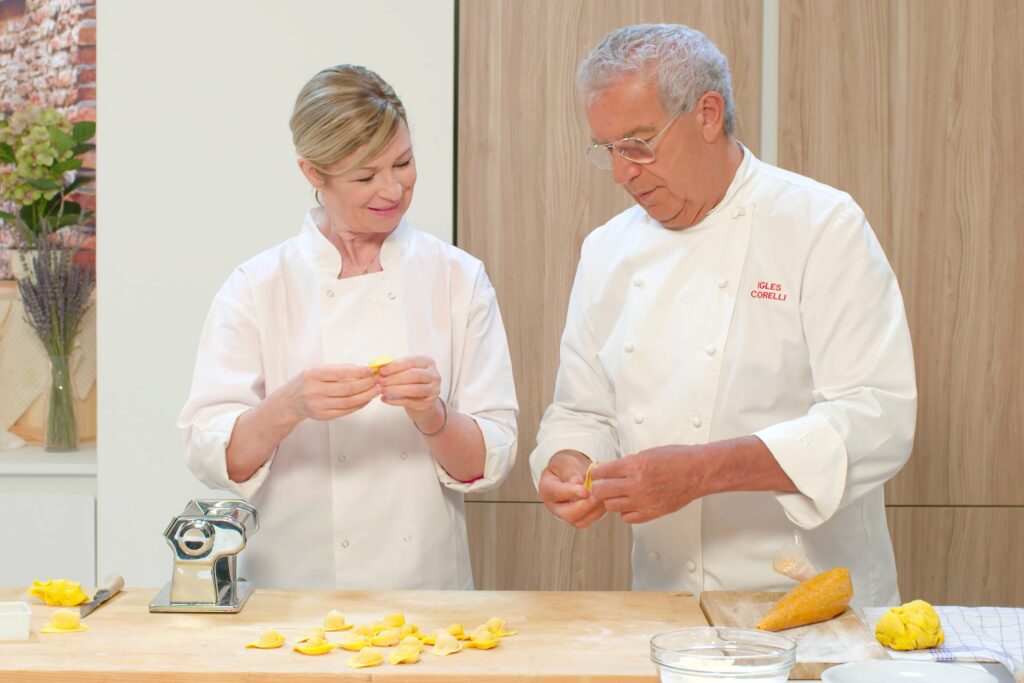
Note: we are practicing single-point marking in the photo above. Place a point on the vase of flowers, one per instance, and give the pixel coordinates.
(56, 290)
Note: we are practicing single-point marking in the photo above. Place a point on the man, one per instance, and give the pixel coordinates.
(736, 360)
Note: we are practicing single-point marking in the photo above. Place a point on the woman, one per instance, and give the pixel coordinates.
(358, 474)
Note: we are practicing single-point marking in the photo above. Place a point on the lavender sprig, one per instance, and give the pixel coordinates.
(56, 293)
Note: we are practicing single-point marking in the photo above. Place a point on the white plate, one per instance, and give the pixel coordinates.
(893, 671)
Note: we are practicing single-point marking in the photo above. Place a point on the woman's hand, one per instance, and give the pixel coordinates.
(326, 392)
(415, 384)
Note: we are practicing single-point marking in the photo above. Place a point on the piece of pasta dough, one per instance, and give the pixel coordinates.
(268, 641)
(64, 621)
(314, 646)
(446, 644)
(334, 621)
(58, 592)
(364, 658)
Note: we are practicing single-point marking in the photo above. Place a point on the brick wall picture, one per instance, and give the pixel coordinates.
(48, 58)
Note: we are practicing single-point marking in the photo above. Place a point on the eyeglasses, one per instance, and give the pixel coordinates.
(634, 150)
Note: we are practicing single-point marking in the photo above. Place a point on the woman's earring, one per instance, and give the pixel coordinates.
(316, 195)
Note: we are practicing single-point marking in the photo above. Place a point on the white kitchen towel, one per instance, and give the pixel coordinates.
(973, 634)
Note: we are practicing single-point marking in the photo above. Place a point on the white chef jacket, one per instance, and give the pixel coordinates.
(357, 502)
(777, 315)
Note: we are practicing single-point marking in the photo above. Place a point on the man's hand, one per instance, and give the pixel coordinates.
(652, 483)
(561, 489)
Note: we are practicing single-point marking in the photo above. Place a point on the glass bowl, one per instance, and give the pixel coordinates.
(718, 654)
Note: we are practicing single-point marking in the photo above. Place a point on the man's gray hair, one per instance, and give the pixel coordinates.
(683, 61)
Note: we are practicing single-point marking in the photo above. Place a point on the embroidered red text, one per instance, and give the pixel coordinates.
(768, 290)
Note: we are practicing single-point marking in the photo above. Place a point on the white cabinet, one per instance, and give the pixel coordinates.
(48, 510)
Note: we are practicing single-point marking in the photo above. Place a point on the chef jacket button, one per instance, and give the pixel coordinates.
(710, 349)
(629, 347)
(639, 419)
(806, 440)
(330, 292)
(341, 458)
(403, 456)
(691, 566)
(407, 538)
(344, 543)
(392, 295)
(722, 283)
(638, 282)
(654, 555)
(695, 421)
(738, 212)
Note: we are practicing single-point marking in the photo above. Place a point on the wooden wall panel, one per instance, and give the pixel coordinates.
(834, 105)
(959, 556)
(521, 546)
(526, 195)
(915, 109)
(912, 108)
(957, 111)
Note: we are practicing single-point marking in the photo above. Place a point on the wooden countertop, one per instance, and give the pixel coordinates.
(562, 637)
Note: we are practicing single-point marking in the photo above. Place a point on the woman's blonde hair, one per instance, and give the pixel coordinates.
(342, 109)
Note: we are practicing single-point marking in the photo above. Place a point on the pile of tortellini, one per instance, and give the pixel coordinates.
(392, 631)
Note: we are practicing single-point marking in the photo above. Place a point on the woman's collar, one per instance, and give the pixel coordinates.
(326, 257)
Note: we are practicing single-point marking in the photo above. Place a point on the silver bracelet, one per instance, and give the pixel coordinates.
(440, 429)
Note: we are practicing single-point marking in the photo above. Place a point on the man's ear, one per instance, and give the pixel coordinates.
(314, 176)
(711, 111)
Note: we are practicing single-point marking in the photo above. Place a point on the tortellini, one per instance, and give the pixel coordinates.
(334, 621)
(386, 638)
(406, 654)
(393, 631)
(364, 658)
(446, 644)
(268, 641)
(313, 645)
(497, 627)
(64, 621)
(482, 638)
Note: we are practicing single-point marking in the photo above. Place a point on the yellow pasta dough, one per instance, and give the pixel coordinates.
(355, 643)
(912, 626)
(497, 627)
(457, 631)
(394, 620)
(386, 638)
(411, 641)
(587, 482)
(380, 361)
(268, 641)
(314, 646)
(364, 630)
(482, 639)
(365, 657)
(312, 634)
(335, 622)
(405, 654)
(446, 644)
(64, 621)
(58, 592)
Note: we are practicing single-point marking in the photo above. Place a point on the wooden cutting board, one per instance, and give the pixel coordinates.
(818, 646)
(562, 638)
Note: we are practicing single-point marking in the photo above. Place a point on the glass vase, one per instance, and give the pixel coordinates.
(61, 426)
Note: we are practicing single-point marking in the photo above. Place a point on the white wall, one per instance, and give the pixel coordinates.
(196, 173)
